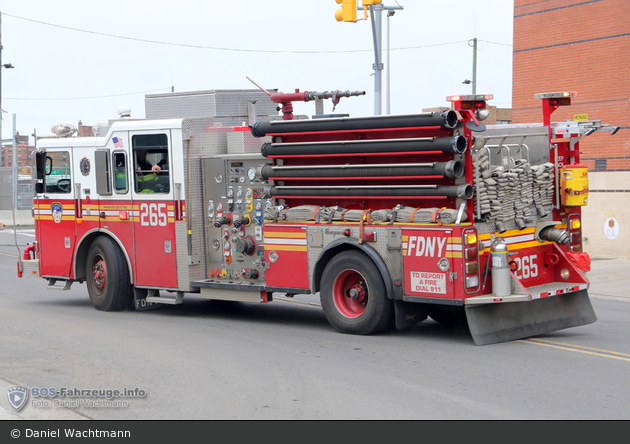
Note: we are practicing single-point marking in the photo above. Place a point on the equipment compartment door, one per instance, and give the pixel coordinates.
(425, 255)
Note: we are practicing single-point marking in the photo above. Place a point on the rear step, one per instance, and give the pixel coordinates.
(147, 299)
(66, 284)
(154, 297)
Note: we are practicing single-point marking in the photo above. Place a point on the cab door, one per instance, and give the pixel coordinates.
(55, 212)
(155, 263)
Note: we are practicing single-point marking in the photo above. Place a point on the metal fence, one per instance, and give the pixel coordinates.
(24, 190)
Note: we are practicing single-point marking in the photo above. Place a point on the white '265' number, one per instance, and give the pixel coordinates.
(527, 266)
(153, 215)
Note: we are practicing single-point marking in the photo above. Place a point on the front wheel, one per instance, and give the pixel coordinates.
(107, 276)
(353, 295)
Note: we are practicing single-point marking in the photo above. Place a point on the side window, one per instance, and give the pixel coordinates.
(151, 166)
(120, 173)
(58, 172)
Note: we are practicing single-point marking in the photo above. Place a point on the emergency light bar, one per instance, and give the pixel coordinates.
(556, 95)
(469, 97)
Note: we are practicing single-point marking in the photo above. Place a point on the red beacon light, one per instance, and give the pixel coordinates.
(470, 98)
(553, 100)
(474, 106)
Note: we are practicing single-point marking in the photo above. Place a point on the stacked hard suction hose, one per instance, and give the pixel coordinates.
(400, 213)
(446, 119)
(392, 137)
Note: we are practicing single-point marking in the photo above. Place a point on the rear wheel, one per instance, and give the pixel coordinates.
(107, 276)
(353, 295)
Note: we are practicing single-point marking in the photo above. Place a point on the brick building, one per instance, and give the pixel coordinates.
(583, 46)
(24, 156)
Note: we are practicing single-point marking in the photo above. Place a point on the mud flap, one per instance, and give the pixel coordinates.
(408, 314)
(492, 323)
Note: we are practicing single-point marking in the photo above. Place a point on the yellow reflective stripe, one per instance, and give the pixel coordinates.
(287, 247)
(280, 234)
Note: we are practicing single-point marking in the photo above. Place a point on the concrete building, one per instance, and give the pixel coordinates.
(571, 45)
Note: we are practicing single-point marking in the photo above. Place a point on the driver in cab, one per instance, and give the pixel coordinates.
(146, 174)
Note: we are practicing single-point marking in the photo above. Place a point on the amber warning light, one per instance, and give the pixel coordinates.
(556, 95)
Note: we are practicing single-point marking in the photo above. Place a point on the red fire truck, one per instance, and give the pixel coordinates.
(391, 219)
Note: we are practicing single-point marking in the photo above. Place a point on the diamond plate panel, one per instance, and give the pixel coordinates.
(210, 103)
(327, 233)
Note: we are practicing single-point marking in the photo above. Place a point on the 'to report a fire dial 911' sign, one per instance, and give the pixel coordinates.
(421, 253)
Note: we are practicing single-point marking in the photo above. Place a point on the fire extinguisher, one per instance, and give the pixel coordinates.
(501, 285)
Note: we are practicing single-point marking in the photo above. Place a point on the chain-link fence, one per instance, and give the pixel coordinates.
(24, 190)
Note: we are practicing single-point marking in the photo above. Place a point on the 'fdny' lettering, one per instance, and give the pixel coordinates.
(429, 246)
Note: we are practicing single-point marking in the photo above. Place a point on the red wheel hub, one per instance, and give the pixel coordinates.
(99, 275)
(350, 294)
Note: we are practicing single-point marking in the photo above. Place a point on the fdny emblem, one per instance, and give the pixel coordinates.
(85, 166)
(57, 211)
(17, 396)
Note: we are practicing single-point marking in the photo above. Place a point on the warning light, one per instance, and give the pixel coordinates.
(471, 239)
(123, 215)
(470, 98)
(575, 224)
(556, 95)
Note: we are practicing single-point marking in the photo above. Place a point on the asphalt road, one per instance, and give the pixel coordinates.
(221, 360)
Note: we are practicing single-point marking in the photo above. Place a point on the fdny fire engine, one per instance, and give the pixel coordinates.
(391, 219)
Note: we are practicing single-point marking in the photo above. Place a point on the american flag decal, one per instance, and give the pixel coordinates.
(117, 142)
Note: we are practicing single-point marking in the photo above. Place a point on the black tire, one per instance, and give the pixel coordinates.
(107, 276)
(352, 273)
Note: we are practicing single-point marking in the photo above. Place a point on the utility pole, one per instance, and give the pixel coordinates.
(14, 164)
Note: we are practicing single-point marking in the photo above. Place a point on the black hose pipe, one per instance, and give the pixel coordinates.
(458, 191)
(444, 119)
(453, 169)
(456, 144)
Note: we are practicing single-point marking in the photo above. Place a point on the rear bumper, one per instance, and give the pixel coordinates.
(523, 294)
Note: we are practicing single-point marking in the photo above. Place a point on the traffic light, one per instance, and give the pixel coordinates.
(367, 4)
(347, 12)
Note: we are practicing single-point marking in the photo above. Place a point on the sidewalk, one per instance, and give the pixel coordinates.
(609, 277)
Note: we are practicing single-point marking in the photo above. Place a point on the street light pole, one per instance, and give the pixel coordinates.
(375, 13)
(389, 75)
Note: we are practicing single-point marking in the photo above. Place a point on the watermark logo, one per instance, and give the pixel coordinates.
(17, 396)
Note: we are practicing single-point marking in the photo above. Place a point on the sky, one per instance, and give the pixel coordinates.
(80, 60)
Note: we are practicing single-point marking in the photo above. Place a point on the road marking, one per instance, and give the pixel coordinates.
(2, 253)
(610, 297)
(22, 232)
(579, 349)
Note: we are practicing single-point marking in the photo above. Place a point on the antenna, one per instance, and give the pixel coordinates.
(260, 87)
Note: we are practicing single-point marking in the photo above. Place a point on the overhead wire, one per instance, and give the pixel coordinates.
(217, 48)
(220, 48)
(88, 98)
